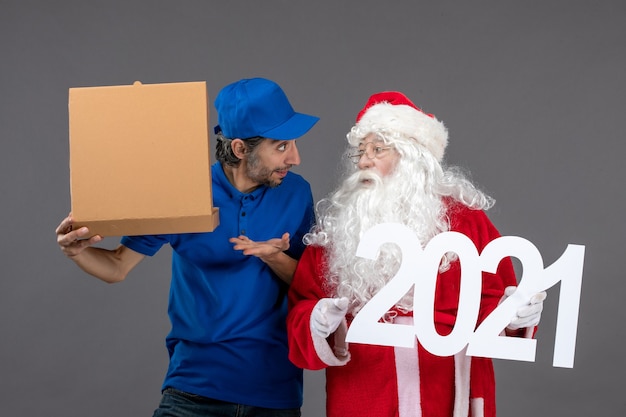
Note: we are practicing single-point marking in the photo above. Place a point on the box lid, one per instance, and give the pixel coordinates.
(139, 159)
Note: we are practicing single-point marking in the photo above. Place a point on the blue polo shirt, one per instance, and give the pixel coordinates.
(228, 339)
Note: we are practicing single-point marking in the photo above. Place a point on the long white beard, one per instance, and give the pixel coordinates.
(356, 207)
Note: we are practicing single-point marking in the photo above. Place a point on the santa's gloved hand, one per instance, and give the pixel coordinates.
(527, 315)
(327, 315)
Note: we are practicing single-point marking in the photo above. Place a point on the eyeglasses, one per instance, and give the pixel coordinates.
(371, 150)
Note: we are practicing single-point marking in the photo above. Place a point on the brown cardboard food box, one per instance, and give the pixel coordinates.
(139, 159)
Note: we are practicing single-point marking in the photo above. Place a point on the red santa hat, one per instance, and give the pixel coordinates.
(393, 111)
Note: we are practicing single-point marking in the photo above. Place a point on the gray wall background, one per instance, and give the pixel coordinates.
(533, 93)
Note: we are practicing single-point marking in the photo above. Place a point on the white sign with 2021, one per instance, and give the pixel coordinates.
(484, 340)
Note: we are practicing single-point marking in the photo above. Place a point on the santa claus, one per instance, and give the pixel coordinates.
(395, 174)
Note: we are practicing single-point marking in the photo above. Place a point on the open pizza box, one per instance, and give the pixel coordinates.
(139, 159)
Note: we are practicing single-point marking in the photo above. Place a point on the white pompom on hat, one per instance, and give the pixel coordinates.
(393, 111)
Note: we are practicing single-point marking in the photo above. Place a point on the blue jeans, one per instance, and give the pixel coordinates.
(175, 403)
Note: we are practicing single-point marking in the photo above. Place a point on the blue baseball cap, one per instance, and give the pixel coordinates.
(258, 107)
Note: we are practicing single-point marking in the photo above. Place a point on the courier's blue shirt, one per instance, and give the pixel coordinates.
(228, 310)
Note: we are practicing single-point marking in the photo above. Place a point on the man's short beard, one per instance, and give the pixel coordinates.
(258, 173)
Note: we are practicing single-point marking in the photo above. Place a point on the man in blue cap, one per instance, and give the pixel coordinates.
(228, 345)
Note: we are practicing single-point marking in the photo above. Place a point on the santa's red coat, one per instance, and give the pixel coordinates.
(381, 381)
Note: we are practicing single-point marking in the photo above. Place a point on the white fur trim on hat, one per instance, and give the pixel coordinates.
(408, 121)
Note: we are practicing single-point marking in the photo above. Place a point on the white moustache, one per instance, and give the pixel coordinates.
(363, 177)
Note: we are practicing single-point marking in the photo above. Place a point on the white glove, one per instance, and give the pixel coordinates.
(327, 315)
(527, 315)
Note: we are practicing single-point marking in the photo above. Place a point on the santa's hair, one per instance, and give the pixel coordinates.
(414, 194)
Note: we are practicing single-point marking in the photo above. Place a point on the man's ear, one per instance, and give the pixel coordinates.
(239, 148)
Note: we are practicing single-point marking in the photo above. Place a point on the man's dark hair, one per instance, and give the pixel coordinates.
(224, 152)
